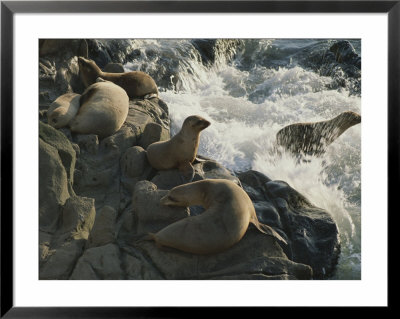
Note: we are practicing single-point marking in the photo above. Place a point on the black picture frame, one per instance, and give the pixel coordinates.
(9, 8)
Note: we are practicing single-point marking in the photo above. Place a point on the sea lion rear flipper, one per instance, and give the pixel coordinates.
(187, 171)
(270, 231)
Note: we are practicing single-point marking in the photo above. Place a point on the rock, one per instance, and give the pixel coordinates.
(210, 169)
(88, 143)
(338, 60)
(206, 169)
(63, 146)
(151, 215)
(211, 49)
(58, 76)
(134, 162)
(64, 47)
(103, 231)
(97, 51)
(153, 132)
(311, 232)
(138, 268)
(53, 187)
(78, 217)
(114, 68)
(104, 51)
(99, 263)
(255, 254)
(61, 261)
(345, 53)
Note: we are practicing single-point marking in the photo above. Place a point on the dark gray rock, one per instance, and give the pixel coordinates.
(212, 49)
(310, 231)
(114, 68)
(58, 68)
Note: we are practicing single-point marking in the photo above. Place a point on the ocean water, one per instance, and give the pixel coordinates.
(250, 91)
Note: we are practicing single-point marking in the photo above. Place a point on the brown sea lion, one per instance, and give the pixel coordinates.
(63, 110)
(104, 108)
(180, 151)
(137, 84)
(313, 138)
(228, 212)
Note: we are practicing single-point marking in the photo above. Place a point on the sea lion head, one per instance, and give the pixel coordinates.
(185, 195)
(195, 123)
(353, 117)
(88, 70)
(57, 118)
(348, 119)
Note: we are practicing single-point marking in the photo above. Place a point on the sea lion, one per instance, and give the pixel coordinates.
(137, 84)
(104, 108)
(313, 138)
(228, 212)
(63, 110)
(180, 151)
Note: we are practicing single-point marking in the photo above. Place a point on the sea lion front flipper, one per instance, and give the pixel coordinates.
(269, 231)
(187, 171)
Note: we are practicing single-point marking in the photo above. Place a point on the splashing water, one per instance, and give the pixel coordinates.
(248, 100)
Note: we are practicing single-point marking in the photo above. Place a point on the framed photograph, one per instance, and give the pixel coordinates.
(161, 156)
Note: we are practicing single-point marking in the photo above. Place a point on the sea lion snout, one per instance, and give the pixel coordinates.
(203, 124)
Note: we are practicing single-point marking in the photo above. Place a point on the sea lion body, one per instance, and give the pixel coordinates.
(180, 151)
(313, 138)
(63, 110)
(228, 213)
(104, 108)
(137, 84)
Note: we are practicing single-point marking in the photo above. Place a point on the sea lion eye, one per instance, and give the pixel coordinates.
(54, 120)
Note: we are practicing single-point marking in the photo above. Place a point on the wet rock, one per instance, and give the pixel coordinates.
(212, 49)
(310, 231)
(114, 68)
(345, 53)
